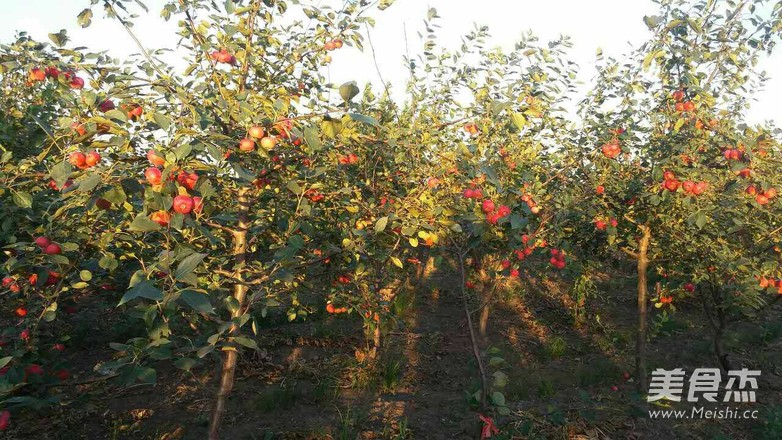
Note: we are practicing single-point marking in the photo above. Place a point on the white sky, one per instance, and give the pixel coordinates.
(612, 25)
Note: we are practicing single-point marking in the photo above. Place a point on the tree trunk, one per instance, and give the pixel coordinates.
(719, 327)
(231, 355)
(643, 294)
(375, 342)
(483, 323)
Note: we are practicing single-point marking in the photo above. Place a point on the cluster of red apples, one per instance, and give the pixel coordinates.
(183, 204)
(38, 74)
(672, 184)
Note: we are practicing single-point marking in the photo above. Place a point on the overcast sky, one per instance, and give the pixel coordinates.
(615, 26)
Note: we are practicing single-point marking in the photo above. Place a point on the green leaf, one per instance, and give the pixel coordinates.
(519, 120)
(500, 379)
(364, 119)
(348, 91)
(312, 138)
(701, 220)
(60, 173)
(679, 124)
(84, 19)
(145, 374)
(116, 115)
(144, 289)
(652, 21)
(229, 6)
(85, 275)
(385, 4)
(294, 187)
(116, 196)
(60, 38)
(108, 262)
(162, 120)
(23, 199)
(199, 301)
(183, 151)
(331, 127)
(185, 363)
(380, 224)
(142, 223)
(5, 361)
(497, 398)
(231, 304)
(247, 342)
(397, 262)
(188, 264)
(89, 183)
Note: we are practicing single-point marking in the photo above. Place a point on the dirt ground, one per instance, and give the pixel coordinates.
(566, 370)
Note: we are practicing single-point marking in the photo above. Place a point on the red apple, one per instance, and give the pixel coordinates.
(155, 159)
(183, 204)
(600, 190)
(37, 74)
(52, 249)
(161, 217)
(247, 145)
(269, 142)
(154, 175)
(77, 83)
(77, 159)
(135, 111)
(488, 206)
(42, 242)
(21, 312)
(188, 180)
(92, 158)
(256, 132)
(102, 203)
(5, 420)
(106, 105)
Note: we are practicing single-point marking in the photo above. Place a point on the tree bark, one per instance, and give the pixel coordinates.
(643, 296)
(231, 355)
